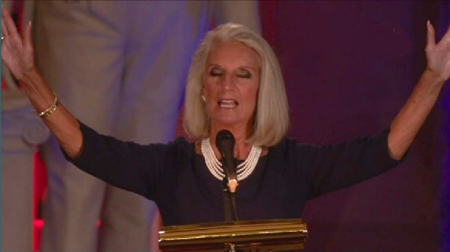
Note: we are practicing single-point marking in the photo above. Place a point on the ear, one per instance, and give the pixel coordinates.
(202, 93)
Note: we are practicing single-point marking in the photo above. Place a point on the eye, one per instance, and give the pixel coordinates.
(215, 71)
(244, 74)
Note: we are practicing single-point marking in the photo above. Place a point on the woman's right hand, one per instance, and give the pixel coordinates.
(17, 51)
(18, 56)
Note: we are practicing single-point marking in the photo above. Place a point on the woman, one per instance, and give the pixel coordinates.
(235, 83)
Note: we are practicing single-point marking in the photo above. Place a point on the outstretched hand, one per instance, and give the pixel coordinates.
(17, 51)
(438, 55)
(411, 117)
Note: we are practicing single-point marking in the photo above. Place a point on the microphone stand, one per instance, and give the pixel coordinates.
(229, 201)
(229, 207)
(229, 195)
(225, 143)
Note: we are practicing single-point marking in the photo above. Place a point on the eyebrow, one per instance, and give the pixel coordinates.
(245, 66)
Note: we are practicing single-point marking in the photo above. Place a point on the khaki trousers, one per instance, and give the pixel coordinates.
(119, 67)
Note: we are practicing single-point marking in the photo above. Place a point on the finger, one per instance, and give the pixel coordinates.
(430, 35)
(4, 30)
(9, 23)
(27, 36)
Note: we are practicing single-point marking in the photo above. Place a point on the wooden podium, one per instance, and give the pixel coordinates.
(270, 235)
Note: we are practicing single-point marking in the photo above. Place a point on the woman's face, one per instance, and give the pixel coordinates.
(231, 84)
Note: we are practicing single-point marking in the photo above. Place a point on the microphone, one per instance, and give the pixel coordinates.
(225, 143)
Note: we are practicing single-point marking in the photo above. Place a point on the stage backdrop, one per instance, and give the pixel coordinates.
(349, 66)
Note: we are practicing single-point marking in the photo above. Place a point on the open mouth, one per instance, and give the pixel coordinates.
(228, 104)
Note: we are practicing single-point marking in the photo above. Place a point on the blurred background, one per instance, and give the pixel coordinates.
(348, 66)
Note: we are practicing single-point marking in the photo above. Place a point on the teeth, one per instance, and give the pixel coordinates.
(227, 103)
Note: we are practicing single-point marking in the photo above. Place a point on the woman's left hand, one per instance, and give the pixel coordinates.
(411, 117)
(438, 55)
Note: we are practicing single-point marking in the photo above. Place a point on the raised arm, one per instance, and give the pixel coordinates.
(411, 117)
(18, 56)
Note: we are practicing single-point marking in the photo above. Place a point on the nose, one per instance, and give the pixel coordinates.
(228, 82)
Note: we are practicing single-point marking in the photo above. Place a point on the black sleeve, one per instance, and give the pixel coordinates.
(338, 166)
(127, 165)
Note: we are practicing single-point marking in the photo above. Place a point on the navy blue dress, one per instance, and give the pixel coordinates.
(177, 179)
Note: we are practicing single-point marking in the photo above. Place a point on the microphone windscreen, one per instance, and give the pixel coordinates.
(225, 143)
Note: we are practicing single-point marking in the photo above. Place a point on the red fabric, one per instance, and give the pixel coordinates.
(39, 189)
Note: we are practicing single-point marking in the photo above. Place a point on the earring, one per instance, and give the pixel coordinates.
(203, 97)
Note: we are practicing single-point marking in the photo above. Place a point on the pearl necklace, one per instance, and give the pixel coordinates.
(215, 166)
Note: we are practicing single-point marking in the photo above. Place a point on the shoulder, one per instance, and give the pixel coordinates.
(180, 142)
(179, 148)
(290, 153)
(290, 145)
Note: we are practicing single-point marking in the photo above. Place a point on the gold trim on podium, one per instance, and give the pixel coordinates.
(274, 235)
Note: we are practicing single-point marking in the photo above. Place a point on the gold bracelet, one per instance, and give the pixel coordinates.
(49, 110)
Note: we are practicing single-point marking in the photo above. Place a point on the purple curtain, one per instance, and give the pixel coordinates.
(349, 66)
(442, 25)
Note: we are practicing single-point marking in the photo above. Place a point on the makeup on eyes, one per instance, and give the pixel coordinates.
(215, 72)
(243, 73)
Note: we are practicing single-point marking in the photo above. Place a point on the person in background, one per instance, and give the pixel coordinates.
(119, 66)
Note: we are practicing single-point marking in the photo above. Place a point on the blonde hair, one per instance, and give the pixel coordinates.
(271, 119)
